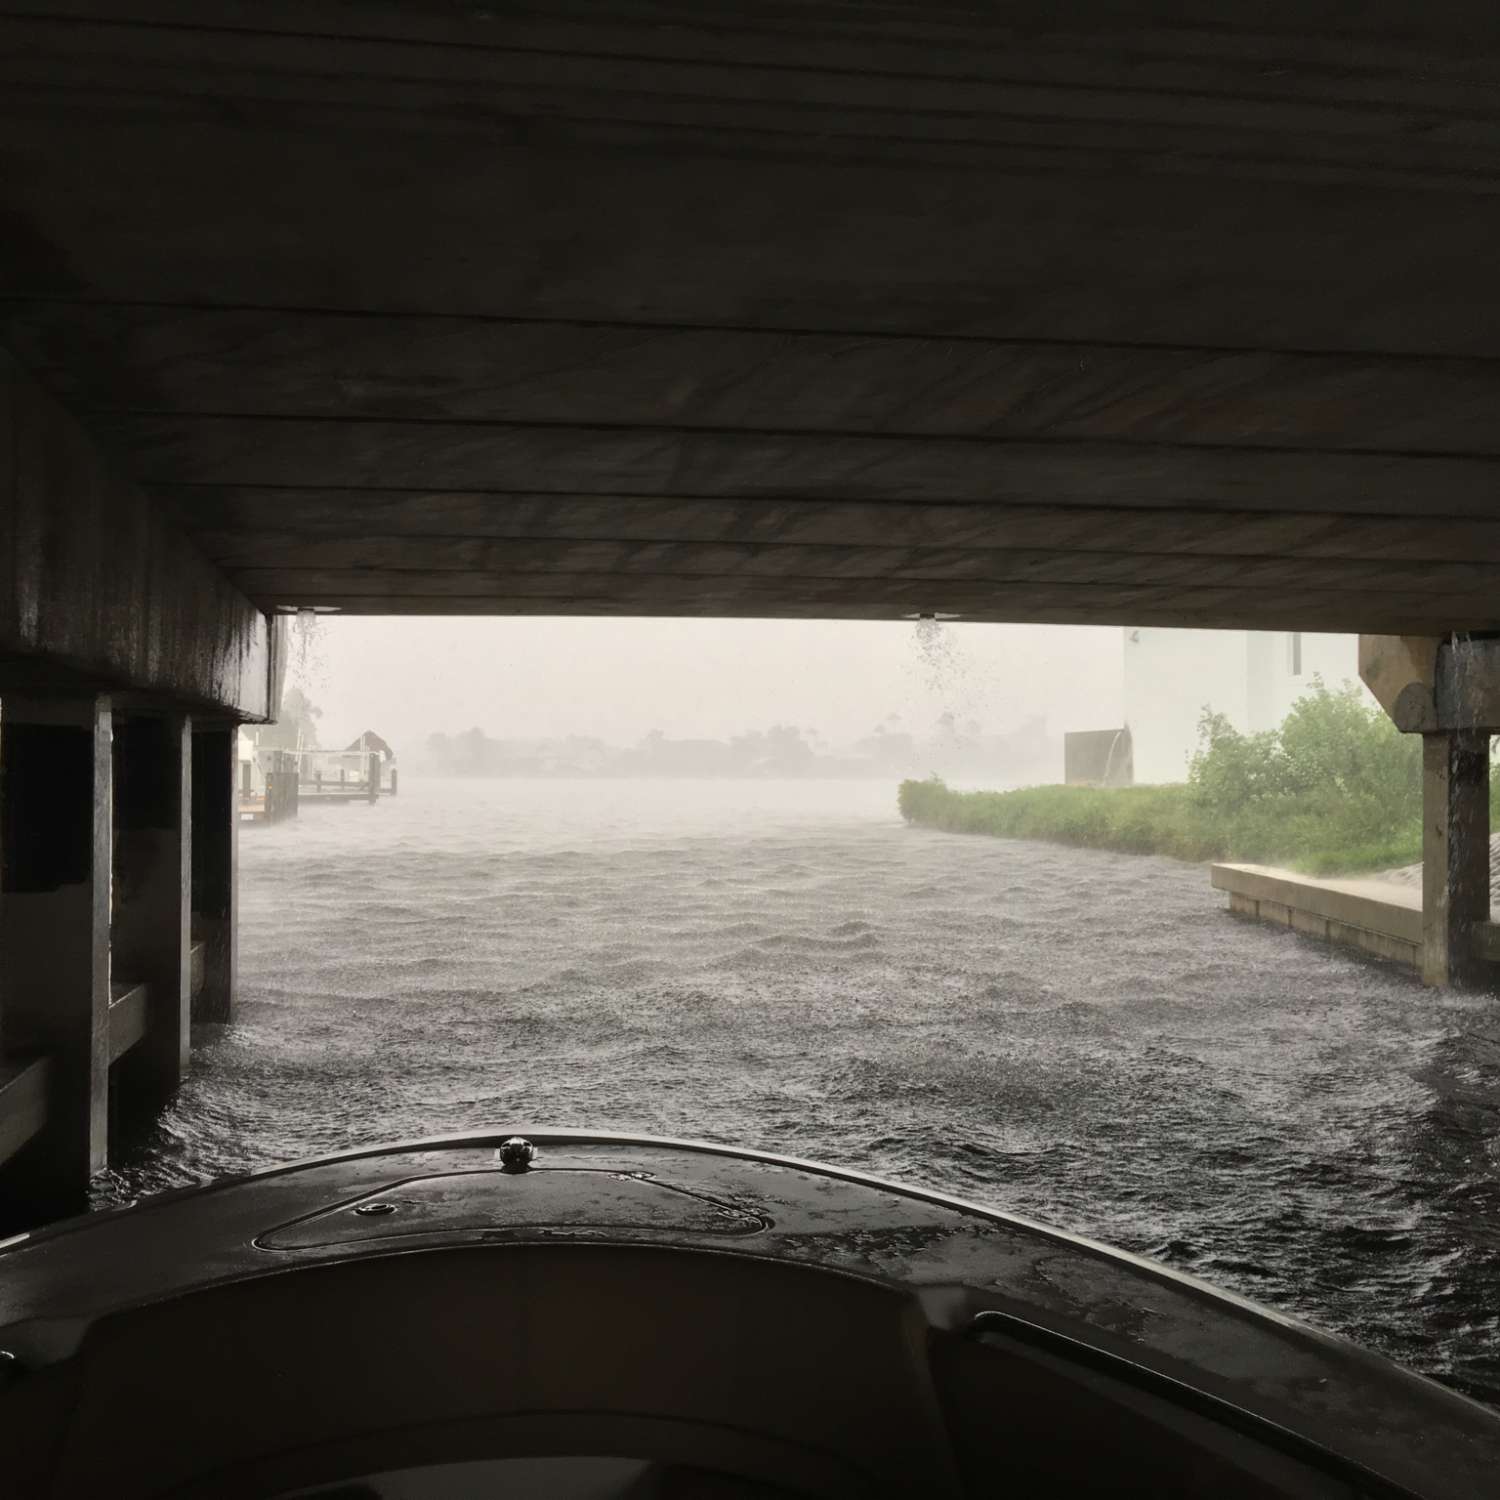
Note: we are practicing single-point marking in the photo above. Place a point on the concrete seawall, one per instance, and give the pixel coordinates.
(1377, 916)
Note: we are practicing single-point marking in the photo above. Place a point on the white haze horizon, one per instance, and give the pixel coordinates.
(620, 679)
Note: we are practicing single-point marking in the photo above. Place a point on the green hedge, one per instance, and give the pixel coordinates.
(1335, 788)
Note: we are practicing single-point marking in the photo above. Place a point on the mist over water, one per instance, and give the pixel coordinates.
(1083, 1037)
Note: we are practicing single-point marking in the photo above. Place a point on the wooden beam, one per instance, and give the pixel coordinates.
(1083, 45)
(288, 362)
(312, 585)
(360, 561)
(420, 211)
(933, 94)
(243, 526)
(672, 460)
(591, 594)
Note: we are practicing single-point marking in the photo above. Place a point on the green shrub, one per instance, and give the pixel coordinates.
(1335, 788)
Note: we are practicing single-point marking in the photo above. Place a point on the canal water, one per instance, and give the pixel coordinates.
(1083, 1037)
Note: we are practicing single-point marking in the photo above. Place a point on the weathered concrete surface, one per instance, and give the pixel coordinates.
(98, 588)
(1401, 671)
(151, 940)
(1019, 313)
(1378, 917)
(215, 871)
(1455, 854)
(1428, 684)
(54, 934)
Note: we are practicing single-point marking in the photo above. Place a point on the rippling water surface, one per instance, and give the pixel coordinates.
(1083, 1037)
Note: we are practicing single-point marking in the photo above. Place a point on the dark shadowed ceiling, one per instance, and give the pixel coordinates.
(797, 309)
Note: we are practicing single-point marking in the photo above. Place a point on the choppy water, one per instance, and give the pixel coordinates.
(1083, 1037)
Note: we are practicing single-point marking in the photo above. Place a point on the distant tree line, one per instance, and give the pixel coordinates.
(782, 750)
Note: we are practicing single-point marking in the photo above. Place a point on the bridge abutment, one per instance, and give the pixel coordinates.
(1448, 691)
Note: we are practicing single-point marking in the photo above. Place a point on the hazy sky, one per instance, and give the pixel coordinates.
(619, 679)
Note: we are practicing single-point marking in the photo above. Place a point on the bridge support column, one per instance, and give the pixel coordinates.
(215, 861)
(1455, 854)
(152, 932)
(55, 822)
(1447, 690)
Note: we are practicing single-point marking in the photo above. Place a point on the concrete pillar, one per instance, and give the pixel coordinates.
(1455, 854)
(215, 864)
(55, 821)
(152, 929)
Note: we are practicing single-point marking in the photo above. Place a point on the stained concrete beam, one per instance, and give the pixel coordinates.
(1401, 671)
(98, 589)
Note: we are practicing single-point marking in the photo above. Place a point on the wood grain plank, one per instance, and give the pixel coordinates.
(1306, 55)
(1464, 582)
(543, 223)
(1014, 605)
(666, 460)
(288, 363)
(293, 585)
(239, 525)
(1115, 114)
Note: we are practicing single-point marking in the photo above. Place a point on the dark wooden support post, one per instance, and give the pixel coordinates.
(1455, 854)
(54, 940)
(215, 862)
(152, 932)
(372, 774)
(393, 781)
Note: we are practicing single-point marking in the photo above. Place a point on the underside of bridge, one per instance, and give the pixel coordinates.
(1071, 313)
(1065, 313)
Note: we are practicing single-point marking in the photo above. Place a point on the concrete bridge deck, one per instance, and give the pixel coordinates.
(1068, 313)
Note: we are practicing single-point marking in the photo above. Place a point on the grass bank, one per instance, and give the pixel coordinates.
(1335, 789)
(1152, 820)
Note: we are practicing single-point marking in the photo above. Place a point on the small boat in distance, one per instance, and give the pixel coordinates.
(585, 1315)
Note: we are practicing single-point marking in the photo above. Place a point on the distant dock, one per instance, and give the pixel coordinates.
(274, 791)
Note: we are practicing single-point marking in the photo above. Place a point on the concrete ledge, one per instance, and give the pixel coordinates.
(23, 1103)
(1487, 940)
(128, 1017)
(1375, 916)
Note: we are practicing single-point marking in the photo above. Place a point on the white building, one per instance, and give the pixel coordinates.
(1252, 677)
